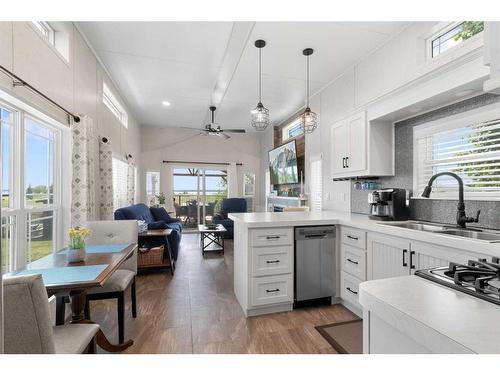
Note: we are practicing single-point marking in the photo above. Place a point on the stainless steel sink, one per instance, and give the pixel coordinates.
(482, 236)
(476, 234)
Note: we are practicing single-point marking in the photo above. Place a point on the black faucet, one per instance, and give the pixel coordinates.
(462, 218)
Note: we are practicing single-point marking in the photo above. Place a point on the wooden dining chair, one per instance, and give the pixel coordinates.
(27, 322)
(115, 232)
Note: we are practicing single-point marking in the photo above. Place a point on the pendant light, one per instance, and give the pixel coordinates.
(260, 115)
(309, 118)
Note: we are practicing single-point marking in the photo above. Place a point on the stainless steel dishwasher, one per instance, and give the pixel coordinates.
(314, 263)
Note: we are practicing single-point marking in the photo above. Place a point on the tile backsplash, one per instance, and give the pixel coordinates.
(437, 210)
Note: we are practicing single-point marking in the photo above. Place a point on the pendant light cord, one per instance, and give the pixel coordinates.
(260, 75)
(307, 85)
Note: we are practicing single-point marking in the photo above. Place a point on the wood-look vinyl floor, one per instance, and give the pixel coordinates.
(195, 311)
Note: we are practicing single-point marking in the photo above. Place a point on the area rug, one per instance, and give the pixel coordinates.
(345, 337)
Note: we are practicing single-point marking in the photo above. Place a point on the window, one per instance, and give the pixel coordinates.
(46, 30)
(294, 129)
(452, 35)
(114, 105)
(316, 181)
(248, 184)
(152, 184)
(120, 173)
(468, 145)
(33, 165)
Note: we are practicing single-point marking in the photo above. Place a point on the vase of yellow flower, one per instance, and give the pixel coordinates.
(76, 248)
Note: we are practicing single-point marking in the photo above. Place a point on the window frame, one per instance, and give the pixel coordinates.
(49, 34)
(460, 120)
(442, 28)
(285, 131)
(61, 172)
(114, 105)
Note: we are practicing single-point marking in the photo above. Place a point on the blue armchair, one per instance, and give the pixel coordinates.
(156, 218)
(229, 205)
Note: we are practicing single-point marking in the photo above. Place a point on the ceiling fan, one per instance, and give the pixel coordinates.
(213, 129)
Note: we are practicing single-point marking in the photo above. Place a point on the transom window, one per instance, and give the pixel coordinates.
(294, 129)
(46, 30)
(453, 35)
(32, 170)
(468, 145)
(114, 105)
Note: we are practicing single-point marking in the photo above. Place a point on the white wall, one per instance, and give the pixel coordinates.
(76, 85)
(159, 144)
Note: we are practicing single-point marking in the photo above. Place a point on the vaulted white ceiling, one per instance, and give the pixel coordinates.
(196, 64)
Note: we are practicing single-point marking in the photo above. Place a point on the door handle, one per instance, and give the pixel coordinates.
(343, 162)
(352, 261)
(272, 237)
(412, 266)
(272, 290)
(315, 236)
(272, 261)
(352, 291)
(404, 258)
(352, 237)
(346, 161)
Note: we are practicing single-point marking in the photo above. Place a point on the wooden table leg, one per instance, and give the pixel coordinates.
(78, 299)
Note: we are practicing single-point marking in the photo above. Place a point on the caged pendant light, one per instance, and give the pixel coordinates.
(260, 115)
(309, 118)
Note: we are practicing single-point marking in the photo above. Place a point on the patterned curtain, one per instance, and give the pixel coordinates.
(130, 181)
(106, 208)
(82, 183)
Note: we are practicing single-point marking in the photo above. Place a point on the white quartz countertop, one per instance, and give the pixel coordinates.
(425, 310)
(294, 219)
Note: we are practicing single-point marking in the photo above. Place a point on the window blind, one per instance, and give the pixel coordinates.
(120, 171)
(471, 151)
(316, 185)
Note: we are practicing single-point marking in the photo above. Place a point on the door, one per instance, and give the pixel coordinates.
(339, 147)
(426, 256)
(387, 257)
(356, 157)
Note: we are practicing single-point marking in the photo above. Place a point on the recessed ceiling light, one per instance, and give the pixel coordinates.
(166, 103)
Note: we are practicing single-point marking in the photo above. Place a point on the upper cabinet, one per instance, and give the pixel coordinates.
(360, 148)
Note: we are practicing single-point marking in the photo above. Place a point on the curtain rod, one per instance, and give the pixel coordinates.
(196, 162)
(20, 82)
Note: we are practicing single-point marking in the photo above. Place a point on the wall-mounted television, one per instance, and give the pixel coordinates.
(283, 164)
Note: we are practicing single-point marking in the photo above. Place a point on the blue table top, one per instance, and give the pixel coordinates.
(65, 275)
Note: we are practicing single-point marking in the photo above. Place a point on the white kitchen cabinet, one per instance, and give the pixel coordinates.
(387, 256)
(428, 256)
(360, 148)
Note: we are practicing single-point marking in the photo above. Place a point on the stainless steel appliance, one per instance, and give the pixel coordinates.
(314, 263)
(479, 278)
(388, 204)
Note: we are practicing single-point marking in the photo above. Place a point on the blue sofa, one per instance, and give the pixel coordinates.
(156, 218)
(229, 205)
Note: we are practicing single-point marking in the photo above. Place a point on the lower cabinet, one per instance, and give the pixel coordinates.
(349, 291)
(270, 290)
(387, 256)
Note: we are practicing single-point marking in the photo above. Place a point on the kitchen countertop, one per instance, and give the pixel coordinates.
(425, 310)
(284, 219)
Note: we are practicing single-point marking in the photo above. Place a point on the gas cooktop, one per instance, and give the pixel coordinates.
(479, 278)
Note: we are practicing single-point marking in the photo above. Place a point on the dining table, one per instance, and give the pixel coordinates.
(62, 278)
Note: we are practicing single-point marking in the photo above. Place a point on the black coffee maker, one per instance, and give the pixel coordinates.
(388, 204)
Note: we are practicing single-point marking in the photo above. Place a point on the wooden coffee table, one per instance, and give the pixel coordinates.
(210, 237)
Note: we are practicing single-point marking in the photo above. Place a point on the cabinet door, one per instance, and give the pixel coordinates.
(428, 256)
(387, 257)
(357, 142)
(339, 142)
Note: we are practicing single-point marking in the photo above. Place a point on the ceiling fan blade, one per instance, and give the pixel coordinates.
(224, 135)
(189, 128)
(235, 130)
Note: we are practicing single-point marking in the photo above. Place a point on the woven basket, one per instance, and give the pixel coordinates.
(151, 257)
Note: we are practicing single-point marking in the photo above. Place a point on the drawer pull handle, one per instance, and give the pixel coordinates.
(352, 261)
(272, 261)
(272, 237)
(272, 290)
(352, 291)
(352, 237)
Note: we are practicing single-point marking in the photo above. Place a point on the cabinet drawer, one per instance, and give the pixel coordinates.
(354, 237)
(272, 260)
(350, 289)
(354, 261)
(272, 237)
(269, 290)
